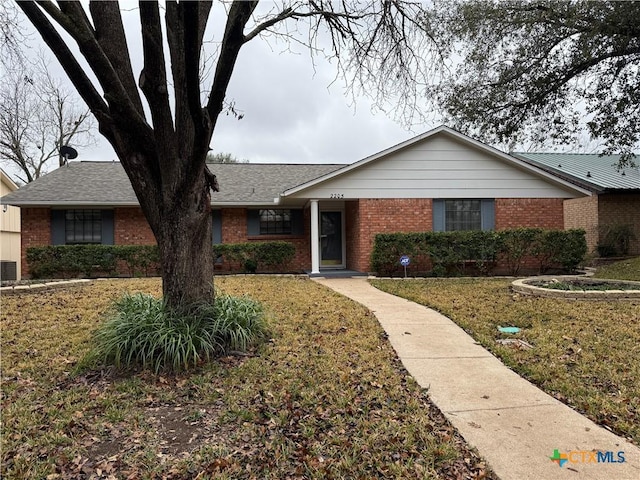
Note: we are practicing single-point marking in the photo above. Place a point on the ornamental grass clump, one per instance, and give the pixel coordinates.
(143, 331)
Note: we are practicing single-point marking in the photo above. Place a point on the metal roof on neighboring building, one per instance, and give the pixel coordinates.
(106, 183)
(593, 171)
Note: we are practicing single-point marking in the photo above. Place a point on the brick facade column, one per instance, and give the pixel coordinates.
(35, 226)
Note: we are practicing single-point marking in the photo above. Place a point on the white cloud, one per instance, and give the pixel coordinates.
(293, 114)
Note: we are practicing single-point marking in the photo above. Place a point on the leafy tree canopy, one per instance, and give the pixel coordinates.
(540, 70)
(224, 158)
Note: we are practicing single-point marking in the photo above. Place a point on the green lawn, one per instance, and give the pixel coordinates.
(585, 353)
(326, 397)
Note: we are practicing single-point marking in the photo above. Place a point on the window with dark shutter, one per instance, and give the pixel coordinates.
(462, 215)
(275, 222)
(83, 226)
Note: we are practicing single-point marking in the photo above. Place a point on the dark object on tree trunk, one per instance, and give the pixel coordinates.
(212, 181)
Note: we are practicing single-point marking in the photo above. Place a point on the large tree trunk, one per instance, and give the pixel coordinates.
(178, 208)
(184, 242)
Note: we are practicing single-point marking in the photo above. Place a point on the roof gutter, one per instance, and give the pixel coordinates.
(74, 203)
(59, 204)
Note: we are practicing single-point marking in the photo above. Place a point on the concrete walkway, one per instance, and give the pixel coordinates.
(514, 425)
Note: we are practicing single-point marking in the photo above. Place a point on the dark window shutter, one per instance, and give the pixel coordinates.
(58, 235)
(488, 214)
(438, 216)
(107, 227)
(216, 233)
(253, 222)
(297, 222)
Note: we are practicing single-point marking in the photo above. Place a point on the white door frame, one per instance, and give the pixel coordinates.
(333, 209)
(315, 237)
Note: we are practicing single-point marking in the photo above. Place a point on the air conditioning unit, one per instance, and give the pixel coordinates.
(8, 270)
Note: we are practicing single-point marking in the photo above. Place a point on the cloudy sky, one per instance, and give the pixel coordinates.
(294, 111)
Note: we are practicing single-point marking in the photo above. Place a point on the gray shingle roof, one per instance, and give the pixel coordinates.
(262, 182)
(106, 183)
(592, 171)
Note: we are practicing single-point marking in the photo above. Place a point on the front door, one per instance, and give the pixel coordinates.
(331, 241)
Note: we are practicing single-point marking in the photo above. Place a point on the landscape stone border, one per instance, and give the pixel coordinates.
(522, 286)
(28, 287)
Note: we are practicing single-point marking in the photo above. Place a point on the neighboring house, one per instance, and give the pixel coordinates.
(440, 180)
(9, 233)
(615, 199)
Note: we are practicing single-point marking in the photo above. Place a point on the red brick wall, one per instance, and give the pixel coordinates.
(234, 225)
(131, 228)
(623, 209)
(368, 217)
(383, 216)
(529, 212)
(234, 230)
(352, 233)
(35, 226)
(302, 260)
(583, 213)
(363, 218)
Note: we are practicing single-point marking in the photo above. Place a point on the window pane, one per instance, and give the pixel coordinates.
(275, 222)
(462, 215)
(83, 226)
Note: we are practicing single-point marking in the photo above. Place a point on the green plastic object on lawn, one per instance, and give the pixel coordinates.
(509, 329)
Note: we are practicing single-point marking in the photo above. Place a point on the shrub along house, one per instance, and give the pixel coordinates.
(611, 215)
(438, 181)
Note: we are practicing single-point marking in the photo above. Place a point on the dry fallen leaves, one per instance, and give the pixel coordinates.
(326, 398)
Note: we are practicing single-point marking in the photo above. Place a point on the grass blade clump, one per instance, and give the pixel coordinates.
(236, 321)
(143, 331)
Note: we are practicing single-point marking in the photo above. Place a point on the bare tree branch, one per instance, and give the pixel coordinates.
(64, 55)
(110, 34)
(233, 39)
(72, 18)
(286, 13)
(153, 82)
(37, 117)
(11, 36)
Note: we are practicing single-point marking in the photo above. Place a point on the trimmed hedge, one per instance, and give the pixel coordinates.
(71, 260)
(254, 256)
(55, 261)
(140, 259)
(389, 247)
(453, 253)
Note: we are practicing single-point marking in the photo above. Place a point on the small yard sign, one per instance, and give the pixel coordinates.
(405, 261)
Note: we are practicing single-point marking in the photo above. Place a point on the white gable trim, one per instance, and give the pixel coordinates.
(8, 181)
(458, 136)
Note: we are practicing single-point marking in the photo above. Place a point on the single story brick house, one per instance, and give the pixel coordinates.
(615, 198)
(440, 180)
